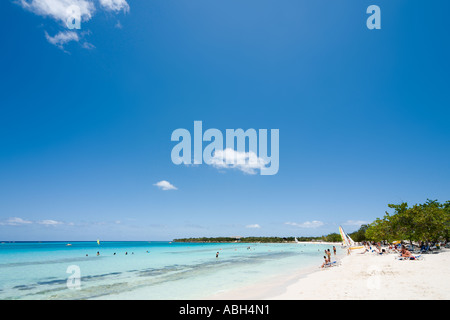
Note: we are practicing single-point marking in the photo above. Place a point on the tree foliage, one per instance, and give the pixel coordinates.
(359, 235)
(429, 221)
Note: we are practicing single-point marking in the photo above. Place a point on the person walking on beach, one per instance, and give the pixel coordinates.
(329, 255)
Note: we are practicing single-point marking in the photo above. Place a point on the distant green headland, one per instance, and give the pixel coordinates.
(337, 238)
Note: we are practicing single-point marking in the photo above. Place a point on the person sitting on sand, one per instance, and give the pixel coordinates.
(325, 262)
(405, 253)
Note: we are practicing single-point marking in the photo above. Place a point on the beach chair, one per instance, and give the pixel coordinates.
(434, 249)
(416, 250)
(426, 249)
(332, 264)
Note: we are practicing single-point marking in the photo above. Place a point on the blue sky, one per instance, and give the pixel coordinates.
(85, 125)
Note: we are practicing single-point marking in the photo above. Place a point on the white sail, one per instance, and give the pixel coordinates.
(348, 242)
(345, 240)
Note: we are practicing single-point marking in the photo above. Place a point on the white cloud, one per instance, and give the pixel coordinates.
(115, 5)
(50, 222)
(165, 185)
(62, 11)
(307, 224)
(59, 9)
(62, 38)
(15, 221)
(88, 45)
(247, 162)
(253, 226)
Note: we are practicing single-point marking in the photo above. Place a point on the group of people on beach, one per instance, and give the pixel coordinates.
(374, 247)
(327, 257)
(403, 252)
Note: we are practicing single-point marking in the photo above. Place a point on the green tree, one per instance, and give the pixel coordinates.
(360, 235)
(332, 237)
(380, 230)
(422, 222)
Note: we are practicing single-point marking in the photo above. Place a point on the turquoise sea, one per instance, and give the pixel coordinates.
(144, 270)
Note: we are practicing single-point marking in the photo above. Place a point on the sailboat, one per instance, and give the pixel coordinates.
(296, 240)
(98, 241)
(349, 243)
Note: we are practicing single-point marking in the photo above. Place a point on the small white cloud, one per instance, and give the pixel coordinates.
(88, 45)
(15, 221)
(115, 5)
(247, 162)
(62, 38)
(253, 226)
(50, 222)
(307, 224)
(165, 185)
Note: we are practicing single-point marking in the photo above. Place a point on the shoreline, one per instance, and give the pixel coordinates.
(359, 277)
(274, 285)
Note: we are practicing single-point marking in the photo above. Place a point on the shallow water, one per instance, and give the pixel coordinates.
(149, 270)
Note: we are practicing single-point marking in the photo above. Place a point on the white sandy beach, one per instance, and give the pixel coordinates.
(360, 276)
